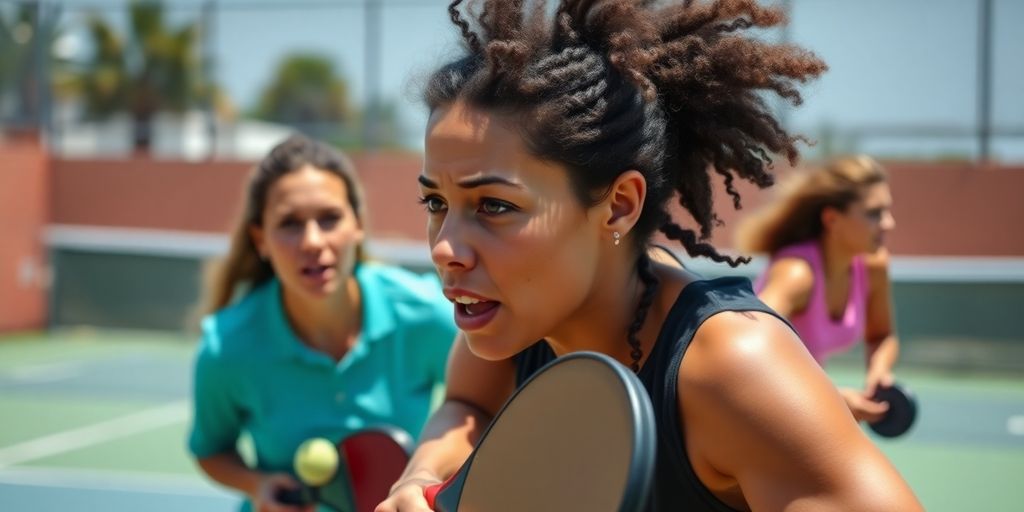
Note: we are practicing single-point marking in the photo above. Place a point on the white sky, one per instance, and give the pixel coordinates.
(893, 62)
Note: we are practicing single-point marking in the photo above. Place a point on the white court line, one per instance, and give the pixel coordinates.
(106, 480)
(50, 372)
(148, 419)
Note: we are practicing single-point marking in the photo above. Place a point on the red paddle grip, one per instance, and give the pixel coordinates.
(430, 494)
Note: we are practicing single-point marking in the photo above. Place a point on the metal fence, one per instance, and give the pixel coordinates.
(898, 87)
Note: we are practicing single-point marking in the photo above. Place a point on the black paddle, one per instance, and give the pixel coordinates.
(901, 414)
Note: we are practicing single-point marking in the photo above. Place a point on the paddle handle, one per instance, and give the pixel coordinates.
(299, 496)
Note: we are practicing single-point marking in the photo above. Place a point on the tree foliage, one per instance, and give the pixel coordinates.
(306, 89)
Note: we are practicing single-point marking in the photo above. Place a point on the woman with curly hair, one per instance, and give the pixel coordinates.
(829, 268)
(553, 148)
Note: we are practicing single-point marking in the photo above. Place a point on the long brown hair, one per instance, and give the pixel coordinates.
(670, 89)
(243, 266)
(795, 215)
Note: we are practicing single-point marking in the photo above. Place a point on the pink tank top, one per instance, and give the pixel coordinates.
(823, 335)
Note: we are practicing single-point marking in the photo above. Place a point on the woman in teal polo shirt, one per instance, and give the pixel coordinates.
(305, 338)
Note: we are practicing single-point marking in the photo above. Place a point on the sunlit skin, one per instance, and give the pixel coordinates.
(764, 427)
(506, 229)
(863, 226)
(309, 233)
(859, 230)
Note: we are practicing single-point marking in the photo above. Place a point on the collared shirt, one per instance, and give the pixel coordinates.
(253, 374)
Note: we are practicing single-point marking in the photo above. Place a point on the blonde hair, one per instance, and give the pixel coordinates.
(795, 215)
(243, 268)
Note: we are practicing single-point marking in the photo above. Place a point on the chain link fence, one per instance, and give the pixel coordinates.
(195, 79)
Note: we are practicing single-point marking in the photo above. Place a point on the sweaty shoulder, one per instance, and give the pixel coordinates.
(762, 416)
(787, 285)
(737, 343)
(792, 272)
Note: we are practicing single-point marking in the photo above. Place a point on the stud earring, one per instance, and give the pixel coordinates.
(617, 237)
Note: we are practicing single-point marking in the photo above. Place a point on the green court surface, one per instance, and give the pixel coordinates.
(96, 420)
(966, 451)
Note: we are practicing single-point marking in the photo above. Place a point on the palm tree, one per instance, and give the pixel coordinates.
(27, 32)
(102, 83)
(155, 68)
(306, 91)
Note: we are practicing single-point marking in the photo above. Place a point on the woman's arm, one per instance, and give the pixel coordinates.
(787, 286)
(765, 427)
(216, 425)
(883, 347)
(475, 392)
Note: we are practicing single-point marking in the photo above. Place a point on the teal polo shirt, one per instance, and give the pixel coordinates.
(253, 374)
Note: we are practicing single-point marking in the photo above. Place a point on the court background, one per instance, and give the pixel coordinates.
(104, 241)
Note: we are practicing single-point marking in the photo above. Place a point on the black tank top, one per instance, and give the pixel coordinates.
(676, 486)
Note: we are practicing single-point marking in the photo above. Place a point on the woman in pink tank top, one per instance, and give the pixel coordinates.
(828, 272)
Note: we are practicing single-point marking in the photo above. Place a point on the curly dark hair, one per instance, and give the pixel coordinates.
(605, 86)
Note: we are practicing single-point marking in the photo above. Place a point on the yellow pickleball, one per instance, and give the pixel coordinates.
(316, 460)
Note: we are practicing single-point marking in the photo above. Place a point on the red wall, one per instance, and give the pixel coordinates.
(207, 196)
(957, 210)
(147, 193)
(24, 211)
(952, 209)
(941, 209)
